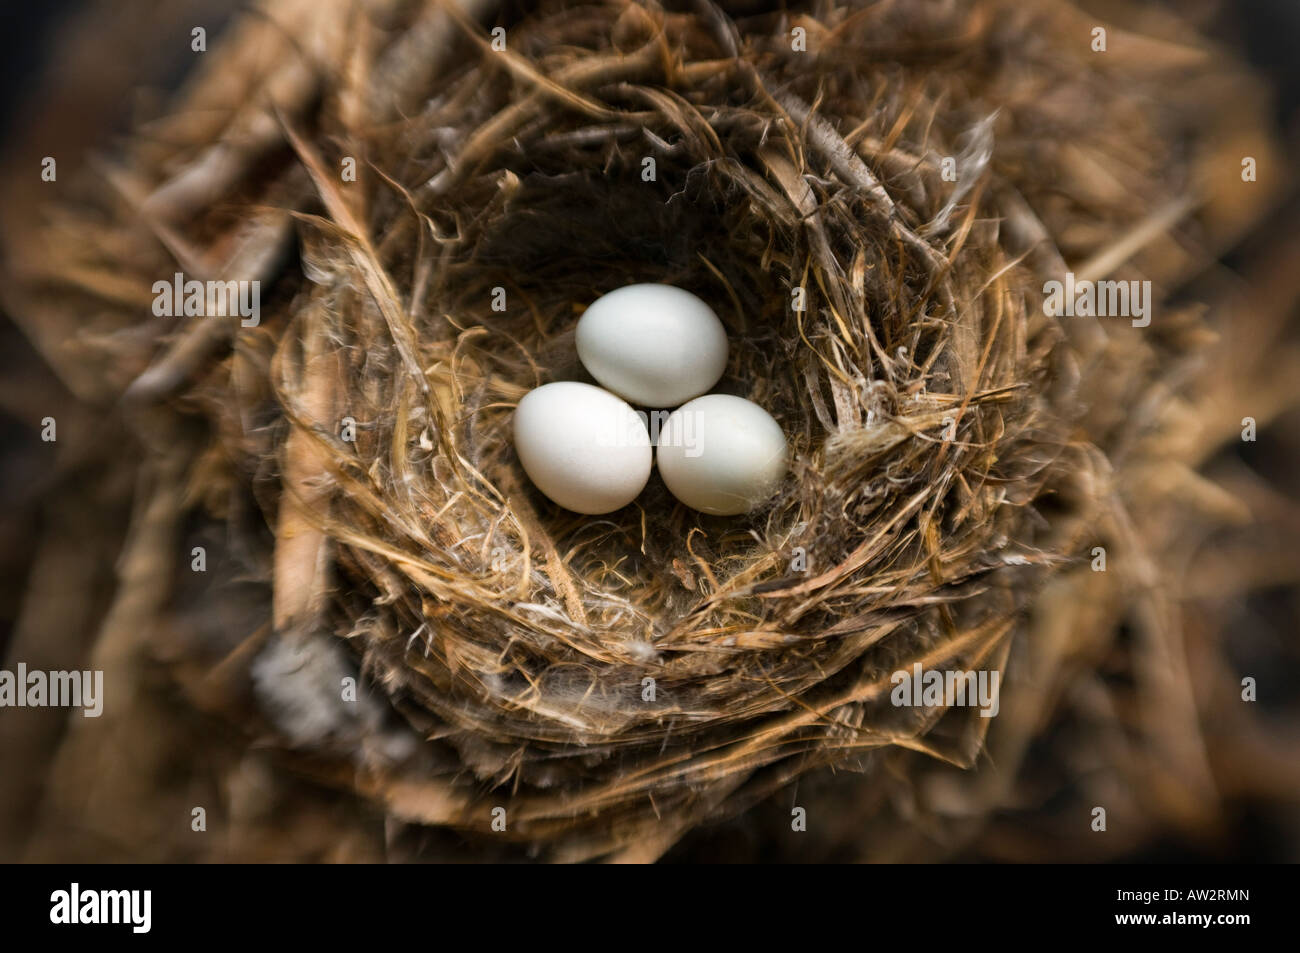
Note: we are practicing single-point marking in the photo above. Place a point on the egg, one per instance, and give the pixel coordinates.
(583, 447)
(721, 454)
(655, 345)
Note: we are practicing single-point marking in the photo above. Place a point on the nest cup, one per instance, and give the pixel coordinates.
(640, 671)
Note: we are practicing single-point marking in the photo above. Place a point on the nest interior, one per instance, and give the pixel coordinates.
(871, 199)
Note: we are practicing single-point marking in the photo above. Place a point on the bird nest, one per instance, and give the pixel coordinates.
(870, 198)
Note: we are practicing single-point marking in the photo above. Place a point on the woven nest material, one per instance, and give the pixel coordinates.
(613, 681)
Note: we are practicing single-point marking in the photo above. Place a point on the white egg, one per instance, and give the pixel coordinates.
(655, 345)
(721, 454)
(583, 447)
